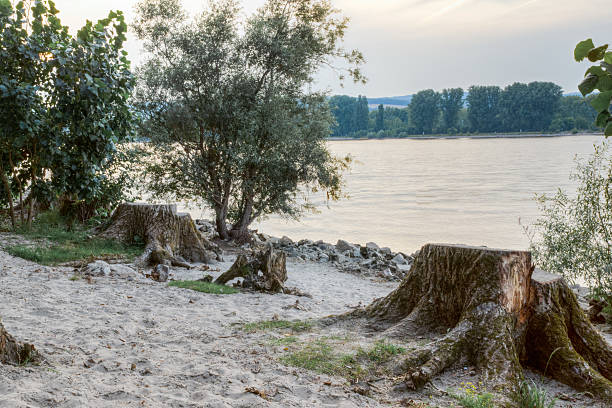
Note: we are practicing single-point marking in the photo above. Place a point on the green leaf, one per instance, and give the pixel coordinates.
(588, 84)
(605, 83)
(608, 131)
(582, 49)
(602, 119)
(601, 102)
(608, 57)
(598, 53)
(595, 70)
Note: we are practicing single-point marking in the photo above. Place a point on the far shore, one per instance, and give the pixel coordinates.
(467, 136)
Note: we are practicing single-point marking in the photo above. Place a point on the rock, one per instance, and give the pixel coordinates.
(123, 271)
(160, 273)
(305, 242)
(285, 241)
(323, 257)
(386, 250)
(399, 259)
(372, 245)
(97, 269)
(343, 246)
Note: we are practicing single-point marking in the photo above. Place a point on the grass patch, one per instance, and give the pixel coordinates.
(471, 397)
(205, 287)
(295, 326)
(55, 245)
(284, 341)
(532, 396)
(322, 356)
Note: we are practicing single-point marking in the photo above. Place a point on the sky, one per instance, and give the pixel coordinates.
(412, 45)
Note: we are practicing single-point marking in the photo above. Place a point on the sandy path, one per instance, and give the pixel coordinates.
(150, 345)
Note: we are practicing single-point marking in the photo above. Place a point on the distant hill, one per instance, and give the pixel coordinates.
(391, 100)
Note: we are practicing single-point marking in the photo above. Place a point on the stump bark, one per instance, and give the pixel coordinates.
(494, 312)
(13, 352)
(169, 237)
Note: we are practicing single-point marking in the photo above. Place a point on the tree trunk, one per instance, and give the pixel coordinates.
(220, 220)
(12, 352)
(493, 312)
(240, 231)
(168, 236)
(9, 196)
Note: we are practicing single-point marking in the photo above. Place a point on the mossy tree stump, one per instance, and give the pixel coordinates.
(494, 312)
(169, 236)
(13, 352)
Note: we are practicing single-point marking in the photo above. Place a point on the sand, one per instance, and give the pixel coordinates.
(120, 343)
(115, 342)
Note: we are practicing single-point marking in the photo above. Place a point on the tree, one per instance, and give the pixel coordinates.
(514, 108)
(451, 102)
(362, 112)
(425, 110)
(483, 108)
(597, 77)
(64, 100)
(228, 106)
(380, 118)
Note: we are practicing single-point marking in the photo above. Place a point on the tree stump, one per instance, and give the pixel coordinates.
(169, 236)
(266, 272)
(494, 312)
(13, 352)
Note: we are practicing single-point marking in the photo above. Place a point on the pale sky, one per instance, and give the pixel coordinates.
(412, 45)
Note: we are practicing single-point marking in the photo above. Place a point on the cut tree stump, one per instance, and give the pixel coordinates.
(170, 237)
(265, 272)
(13, 352)
(492, 311)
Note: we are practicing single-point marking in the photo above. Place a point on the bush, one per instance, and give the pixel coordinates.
(573, 236)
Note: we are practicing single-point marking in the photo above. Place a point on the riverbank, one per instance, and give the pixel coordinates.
(472, 136)
(126, 340)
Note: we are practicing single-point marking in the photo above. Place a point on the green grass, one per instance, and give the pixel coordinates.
(533, 396)
(284, 341)
(53, 244)
(295, 326)
(323, 356)
(205, 287)
(471, 397)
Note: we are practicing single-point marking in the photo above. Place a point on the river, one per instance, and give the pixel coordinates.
(405, 193)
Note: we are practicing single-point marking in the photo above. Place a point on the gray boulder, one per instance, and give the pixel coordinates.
(343, 246)
(160, 273)
(97, 269)
(372, 245)
(123, 271)
(399, 259)
(285, 241)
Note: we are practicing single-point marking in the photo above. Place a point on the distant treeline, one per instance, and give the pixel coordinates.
(533, 107)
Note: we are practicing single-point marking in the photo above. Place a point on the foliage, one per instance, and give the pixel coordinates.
(573, 235)
(597, 78)
(230, 110)
(425, 110)
(296, 326)
(451, 103)
(533, 396)
(533, 107)
(380, 118)
(484, 107)
(471, 397)
(351, 114)
(64, 101)
(53, 245)
(205, 287)
(381, 351)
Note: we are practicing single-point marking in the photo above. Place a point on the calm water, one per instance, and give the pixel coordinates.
(405, 193)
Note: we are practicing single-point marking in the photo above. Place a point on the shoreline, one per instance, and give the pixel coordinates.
(479, 136)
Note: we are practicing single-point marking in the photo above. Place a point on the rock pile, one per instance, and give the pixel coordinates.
(367, 260)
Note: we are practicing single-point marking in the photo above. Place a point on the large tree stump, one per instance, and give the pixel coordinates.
(492, 311)
(169, 236)
(13, 352)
